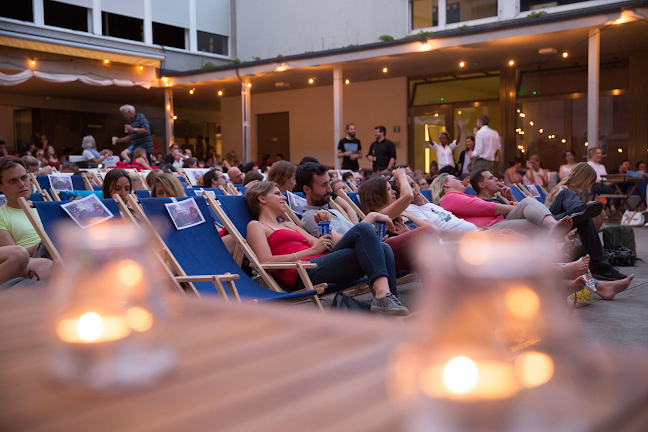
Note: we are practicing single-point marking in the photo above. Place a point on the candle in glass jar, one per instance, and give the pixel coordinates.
(92, 328)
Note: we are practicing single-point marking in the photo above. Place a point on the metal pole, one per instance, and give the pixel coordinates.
(593, 57)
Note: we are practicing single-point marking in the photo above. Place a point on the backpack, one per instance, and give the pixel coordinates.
(345, 303)
(622, 257)
(617, 237)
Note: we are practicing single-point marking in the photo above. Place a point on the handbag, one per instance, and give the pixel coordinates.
(622, 257)
(346, 303)
(633, 218)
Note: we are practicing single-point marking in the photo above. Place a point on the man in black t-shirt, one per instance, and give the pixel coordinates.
(349, 149)
(382, 151)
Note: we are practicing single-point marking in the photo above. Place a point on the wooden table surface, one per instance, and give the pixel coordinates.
(259, 368)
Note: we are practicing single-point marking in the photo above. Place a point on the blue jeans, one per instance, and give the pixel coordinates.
(566, 201)
(357, 254)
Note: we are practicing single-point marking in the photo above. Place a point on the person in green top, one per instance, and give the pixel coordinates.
(15, 227)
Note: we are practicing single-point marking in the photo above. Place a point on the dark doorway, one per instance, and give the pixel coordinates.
(273, 135)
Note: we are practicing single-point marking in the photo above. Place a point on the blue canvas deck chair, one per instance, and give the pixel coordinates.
(206, 267)
(353, 200)
(470, 191)
(143, 193)
(79, 182)
(427, 194)
(235, 216)
(536, 192)
(51, 215)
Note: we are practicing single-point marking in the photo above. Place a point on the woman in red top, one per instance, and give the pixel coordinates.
(339, 259)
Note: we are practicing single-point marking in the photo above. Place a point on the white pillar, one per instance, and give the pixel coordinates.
(247, 121)
(441, 13)
(39, 13)
(168, 117)
(338, 119)
(593, 53)
(193, 30)
(148, 23)
(96, 17)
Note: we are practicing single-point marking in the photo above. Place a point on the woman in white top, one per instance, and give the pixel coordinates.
(90, 153)
(535, 174)
(570, 158)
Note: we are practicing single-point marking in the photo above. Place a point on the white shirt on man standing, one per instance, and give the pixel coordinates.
(487, 142)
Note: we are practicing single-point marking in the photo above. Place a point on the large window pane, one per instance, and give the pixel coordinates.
(474, 89)
(526, 5)
(168, 35)
(212, 43)
(18, 10)
(467, 10)
(424, 13)
(65, 15)
(541, 130)
(123, 27)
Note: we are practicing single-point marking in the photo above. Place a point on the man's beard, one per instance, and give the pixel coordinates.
(321, 200)
(352, 134)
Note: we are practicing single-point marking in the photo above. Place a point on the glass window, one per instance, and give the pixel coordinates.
(212, 43)
(168, 35)
(571, 80)
(18, 10)
(441, 92)
(123, 27)
(527, 5)
(467, 10)
(425, 13)
(541, 129)
(65, 15)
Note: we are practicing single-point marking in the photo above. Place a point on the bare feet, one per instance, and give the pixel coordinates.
(608, 289)
(576, 285)
(561, 227)
(574, 269)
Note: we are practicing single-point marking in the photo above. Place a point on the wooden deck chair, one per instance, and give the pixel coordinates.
(231, 189)
(235, 216)
(207, 266)
(87, 183)
(143, 193)
(352, 186)
(353, 200)
(51, 214)
(519, 192)
(470, 191)
(182, 174)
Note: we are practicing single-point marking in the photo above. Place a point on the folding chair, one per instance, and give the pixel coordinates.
(205, 268)
(235, 216)
(51, 215)
(217, 191)
(427, 194)
(68, 195)
(37, 197)
(143, 193)
(542, 194)
(352, 186)
(353, 200)
(519, 193)
(470, 191)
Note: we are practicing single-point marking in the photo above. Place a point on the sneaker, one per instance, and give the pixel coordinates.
(389, 305)
(585, 212)
(608, 274)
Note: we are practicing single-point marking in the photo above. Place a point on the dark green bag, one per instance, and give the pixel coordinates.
(617, 237)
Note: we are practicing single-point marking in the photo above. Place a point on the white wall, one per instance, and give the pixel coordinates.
(268, 28)
(367, 104)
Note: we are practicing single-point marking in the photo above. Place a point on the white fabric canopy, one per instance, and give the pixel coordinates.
(21, 77)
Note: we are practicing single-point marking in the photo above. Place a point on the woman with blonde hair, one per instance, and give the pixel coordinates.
(167, 185)
(150, 178)
(230, 161)
(139, 158)
(283, 173)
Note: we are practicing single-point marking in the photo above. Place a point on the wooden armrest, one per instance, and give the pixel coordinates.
(223, 278)
(318, 288)
(288, 265)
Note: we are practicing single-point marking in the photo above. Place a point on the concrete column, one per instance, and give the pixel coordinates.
(441, 14)
(247, 121)
(193, 30)
(39, 14)
(508, 115)
(96, 17)
(168, 117)
(593, 57)
(338, 119)
(148, 23)
(638, 107)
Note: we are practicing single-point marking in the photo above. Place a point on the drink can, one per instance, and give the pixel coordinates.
(125, 129)
(323, 228)
(380, 229)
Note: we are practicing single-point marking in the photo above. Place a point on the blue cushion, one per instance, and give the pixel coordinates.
(36, 197)
(470, 191)
(235, 207)
(143, 193)
(190, 192)
(517, 193)
(427, 193)
(354, 197)
(68, 195)
(51, 215)
(77, 182)
(210, 257)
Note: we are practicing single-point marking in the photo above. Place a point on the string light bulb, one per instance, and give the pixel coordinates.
(531, 123)
(140, 68)
(106, 61)
(462, 64)
(565, 55)
(311, 81)
(32, 62)
(564, 141)
(175, 117)
(511, 62)
(385, 70)
(249, 85)
(347, 81)
(541, 130)
(620, 150)
(191, 91)
(220, 92)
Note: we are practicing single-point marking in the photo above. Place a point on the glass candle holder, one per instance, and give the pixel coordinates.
(489, 340)
(108, 309)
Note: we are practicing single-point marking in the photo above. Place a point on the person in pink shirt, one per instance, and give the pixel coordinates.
(527, 217)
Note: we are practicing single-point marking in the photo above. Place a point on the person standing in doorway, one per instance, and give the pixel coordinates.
(350, 149)
(487, 142)
(445, 151)
(138, 129)
(382, 152)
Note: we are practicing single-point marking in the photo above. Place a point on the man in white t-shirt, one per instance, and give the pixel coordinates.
(441, 218)
(596, 156)
(445, 151)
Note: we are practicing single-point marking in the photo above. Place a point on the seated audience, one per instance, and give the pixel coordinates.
(14, 261)
(15, 227)
(136, 181)
(70, 167)
(250, 166)
(178, 160)
(214, 179)
(40, 156)
(140, 160)
(230, 161)
(339, 185)
(150, 178)
(117, 181)
(168, 159)
(127, 154)
(308, 159)
(527, 217)
(535, 175)
(570, 158)
(190, 162)
(236, 176)
(565, 199)
(50, 157)
(377, 195)
(266, 163)
(348, 177)
(33, 166)
(28, 148)
(167, 186)
(339, 259)
(596, 156)
(624, 167)
(314, 180)
(3, 149)
(252, 177)
(512, 175)
(641, 167)
(333, 175)
(90, 153)
(283, 173)
(67, 151)
(421, 182)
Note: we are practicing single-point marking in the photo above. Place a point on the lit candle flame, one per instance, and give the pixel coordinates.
(89, 326)
(460, 375)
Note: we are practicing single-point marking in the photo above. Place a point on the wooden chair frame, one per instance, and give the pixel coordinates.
(27, 207)
(353, 205)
